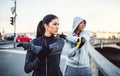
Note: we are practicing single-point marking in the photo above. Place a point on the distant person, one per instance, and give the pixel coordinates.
(76, 47)
(43, 54)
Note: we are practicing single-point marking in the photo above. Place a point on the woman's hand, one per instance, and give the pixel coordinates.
(45, 51)
(79, 43)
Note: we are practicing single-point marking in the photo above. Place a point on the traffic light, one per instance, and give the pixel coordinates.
(11, 20)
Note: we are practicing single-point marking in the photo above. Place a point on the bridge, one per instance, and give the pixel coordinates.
(102, 65)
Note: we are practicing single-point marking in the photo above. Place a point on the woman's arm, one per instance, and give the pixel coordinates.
(69, 50)
(74, 39)
(71, 38)
(31, 62)
(57, 46)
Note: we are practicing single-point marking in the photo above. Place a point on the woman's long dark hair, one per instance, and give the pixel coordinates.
(46, 20)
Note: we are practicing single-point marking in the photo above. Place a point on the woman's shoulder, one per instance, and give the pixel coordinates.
(36, 40)
(86, 32)
(61, 40)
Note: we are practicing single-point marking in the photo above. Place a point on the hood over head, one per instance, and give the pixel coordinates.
(77, 20)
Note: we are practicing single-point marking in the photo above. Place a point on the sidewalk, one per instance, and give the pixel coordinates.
(12, 63)
(6, 42)
(8, 45)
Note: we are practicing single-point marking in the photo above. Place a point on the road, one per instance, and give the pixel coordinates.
(6, 44)
(12, 61)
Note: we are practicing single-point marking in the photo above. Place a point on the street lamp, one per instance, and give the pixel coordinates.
(13, 20)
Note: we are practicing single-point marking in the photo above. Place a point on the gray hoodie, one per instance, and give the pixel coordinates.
(76, 57)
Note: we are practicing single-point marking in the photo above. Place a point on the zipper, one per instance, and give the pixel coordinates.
(45, 58)
(46, 66)
(78, 58)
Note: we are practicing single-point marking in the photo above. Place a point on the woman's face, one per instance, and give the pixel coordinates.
(81, 26)
(52, 27)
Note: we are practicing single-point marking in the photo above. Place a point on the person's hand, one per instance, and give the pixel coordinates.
(25, 45)
(20, 45)
(79, 43)
(45, 52)
(63, 36)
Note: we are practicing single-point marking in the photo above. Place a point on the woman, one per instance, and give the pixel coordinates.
(43, 54)
(76, 47)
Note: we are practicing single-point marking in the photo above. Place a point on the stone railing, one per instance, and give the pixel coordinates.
(98, 41)
(102, 64)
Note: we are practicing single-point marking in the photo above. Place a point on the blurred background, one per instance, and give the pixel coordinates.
(19, 20)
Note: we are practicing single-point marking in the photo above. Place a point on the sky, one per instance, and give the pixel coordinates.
(101, 15)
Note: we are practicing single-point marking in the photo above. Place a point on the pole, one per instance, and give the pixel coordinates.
(15, 24)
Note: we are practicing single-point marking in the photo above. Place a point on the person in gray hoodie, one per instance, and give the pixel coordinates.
(77, 41)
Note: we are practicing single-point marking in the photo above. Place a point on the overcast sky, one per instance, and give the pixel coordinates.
(101, 15)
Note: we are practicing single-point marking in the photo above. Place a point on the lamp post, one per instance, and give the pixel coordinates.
(13, 9)
(15, 25)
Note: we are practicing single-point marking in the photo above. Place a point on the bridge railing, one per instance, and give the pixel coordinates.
(102, 64)
(97, 41)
